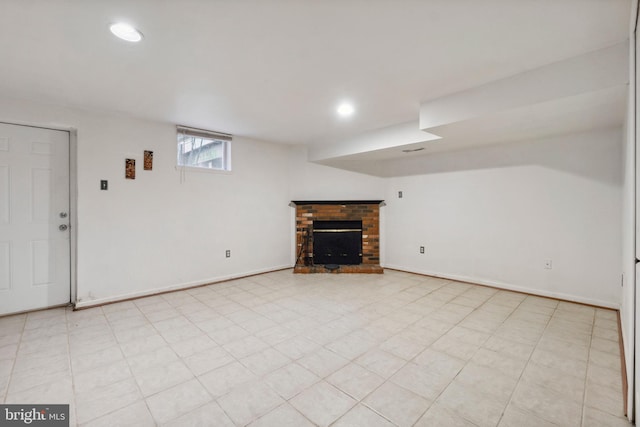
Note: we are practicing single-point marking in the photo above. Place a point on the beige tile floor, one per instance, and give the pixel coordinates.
(300, 350)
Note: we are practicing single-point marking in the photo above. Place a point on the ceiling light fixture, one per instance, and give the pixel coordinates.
(126, 32)
(413, 150)
(345, 109)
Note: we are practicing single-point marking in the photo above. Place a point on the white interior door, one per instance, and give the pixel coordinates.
(34, 218)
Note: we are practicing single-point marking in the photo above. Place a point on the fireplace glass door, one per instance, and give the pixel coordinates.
(337, 242)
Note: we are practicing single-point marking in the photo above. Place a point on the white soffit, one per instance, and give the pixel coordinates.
(600, 109)
(594, 71)
(380, 139)
(575, 95)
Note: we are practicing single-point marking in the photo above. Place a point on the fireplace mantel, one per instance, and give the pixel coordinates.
(337, 202)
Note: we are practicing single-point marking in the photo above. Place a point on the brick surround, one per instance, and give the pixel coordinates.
(367, 211)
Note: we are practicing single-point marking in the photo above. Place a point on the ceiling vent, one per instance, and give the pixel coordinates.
(413, 150)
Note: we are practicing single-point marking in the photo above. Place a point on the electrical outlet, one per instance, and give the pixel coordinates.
(399, 194)
(227, 253)
(548, 264)
(421, 249)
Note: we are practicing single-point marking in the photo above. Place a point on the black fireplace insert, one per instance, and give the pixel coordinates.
(337, 242)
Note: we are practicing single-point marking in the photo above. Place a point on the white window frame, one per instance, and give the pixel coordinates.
(224, 138)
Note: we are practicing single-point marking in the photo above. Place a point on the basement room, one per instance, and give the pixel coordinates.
(301, 213)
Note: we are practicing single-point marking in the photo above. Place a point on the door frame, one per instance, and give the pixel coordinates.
(73, 197)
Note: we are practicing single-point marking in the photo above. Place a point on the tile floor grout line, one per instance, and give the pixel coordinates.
(388, 380)
(236, 360)
(535, 348)
(196, 377)
(527, 362)
(117, 343)
(73, 379)
(467, 361)
(15, 357)
(586, 377)
(325, 378)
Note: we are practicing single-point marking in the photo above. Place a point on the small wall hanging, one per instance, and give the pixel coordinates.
(148, 160)
(130, 168)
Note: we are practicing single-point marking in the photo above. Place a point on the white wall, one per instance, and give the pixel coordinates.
(310, 181)
(494, 215)
(627, 305)
(156, 232)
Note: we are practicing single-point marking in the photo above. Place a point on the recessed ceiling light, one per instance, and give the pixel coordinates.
(126, 32)
(345, 109)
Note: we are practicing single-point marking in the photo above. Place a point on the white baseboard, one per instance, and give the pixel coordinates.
(479, 281)
(509, 287)
(182, 286)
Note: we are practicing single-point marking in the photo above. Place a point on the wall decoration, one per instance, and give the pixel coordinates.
(148, 160)
(130, 168)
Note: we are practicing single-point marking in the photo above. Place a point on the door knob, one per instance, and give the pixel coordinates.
(63, 227)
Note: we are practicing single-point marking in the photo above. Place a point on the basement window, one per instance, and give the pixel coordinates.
(203, 149)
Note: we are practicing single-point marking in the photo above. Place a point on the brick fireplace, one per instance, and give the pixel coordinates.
(342, 212)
